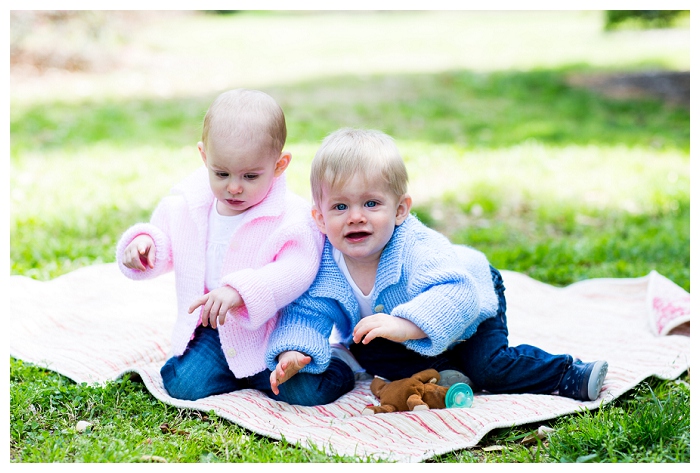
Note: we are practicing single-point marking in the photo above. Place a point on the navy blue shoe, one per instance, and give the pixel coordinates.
(583, 381)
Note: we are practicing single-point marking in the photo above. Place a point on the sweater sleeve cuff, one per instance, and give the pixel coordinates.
(162, 246)
(302, 339)
(258, 298)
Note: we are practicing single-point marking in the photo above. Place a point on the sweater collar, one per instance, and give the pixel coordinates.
(332, 282)
(388, 272)
(392, 259)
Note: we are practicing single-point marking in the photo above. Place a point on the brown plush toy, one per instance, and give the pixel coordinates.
(417, 393)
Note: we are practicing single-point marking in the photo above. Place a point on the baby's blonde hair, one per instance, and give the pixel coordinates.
(247, 114)
(348, 152)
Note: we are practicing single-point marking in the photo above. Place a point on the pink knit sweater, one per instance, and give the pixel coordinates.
(273, 257)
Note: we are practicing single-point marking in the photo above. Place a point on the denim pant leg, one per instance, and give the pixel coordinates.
(201, 370)
(494, 366)
(392, 360)
(307, 389)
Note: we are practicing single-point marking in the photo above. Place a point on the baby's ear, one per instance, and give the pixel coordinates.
(403, 210)
(282, 163)
(202, 152)
(318, 218)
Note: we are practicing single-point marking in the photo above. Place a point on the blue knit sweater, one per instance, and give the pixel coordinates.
(445, 289)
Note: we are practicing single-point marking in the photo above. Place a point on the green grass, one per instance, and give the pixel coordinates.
(656, 429)
(563, 245)
(651, 424)
(555, 130)
(554, 181)
(127, 426)
(475, 110)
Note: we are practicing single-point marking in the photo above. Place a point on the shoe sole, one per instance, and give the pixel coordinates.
(596, 379)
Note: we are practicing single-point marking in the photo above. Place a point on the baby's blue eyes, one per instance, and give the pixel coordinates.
(370, 204)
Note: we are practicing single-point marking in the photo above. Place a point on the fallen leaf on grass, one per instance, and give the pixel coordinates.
(82, 425)
(166, 429)
(153, 459)
(541, 433)
(494, 448)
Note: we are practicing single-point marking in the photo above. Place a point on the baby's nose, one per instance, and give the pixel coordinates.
(357, 216)
(234, 187)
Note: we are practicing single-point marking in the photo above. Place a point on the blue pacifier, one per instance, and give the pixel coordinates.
(459, 395)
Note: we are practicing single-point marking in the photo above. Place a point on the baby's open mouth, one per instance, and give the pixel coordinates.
(357, 235)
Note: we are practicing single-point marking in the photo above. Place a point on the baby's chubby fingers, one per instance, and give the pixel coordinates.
(371, 335)
(217, 311)
(140, 253)
(132, 259)
(386, 326)
(146, 255)
(276, 378)
(358, 334)
(280, 375)
(199, 303)
(274, 384)
(363, 328)
(300, 361)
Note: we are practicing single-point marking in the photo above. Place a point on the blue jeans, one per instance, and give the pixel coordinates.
(485, 357)
(202, 371)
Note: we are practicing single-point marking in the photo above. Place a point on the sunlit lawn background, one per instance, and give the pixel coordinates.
(504, 153)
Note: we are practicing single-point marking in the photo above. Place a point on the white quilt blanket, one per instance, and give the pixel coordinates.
(94, 325)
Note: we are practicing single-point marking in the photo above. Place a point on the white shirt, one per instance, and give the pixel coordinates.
(365, 301)
(221, 227)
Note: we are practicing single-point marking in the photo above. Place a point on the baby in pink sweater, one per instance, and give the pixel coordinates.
(242, 247)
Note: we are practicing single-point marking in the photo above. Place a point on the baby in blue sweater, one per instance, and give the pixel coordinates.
(398, 297)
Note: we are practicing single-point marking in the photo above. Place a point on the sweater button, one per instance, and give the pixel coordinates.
(230, 353)
(379, 308)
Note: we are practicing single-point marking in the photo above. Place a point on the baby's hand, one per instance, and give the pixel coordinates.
(216, 304)
(140, 253)
(386, 326)
(289, 363)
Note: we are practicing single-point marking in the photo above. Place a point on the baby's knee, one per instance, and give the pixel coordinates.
(179, 387)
